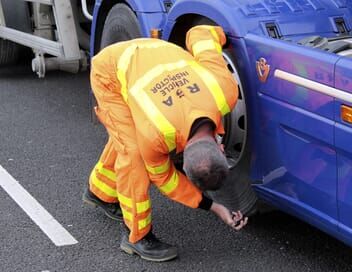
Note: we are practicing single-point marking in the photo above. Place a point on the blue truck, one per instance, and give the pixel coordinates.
(289, 138)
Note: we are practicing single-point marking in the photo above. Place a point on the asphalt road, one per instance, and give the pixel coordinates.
(49, 145)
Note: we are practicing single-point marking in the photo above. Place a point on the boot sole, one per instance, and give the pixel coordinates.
(131, 251)
(95, 205)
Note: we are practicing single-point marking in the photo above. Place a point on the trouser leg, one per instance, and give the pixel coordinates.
(102, 180)
(132, 181)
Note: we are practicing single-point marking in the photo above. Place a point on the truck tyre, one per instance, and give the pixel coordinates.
(236, 193)
(16, 16)
(9, 52)
(121, 24)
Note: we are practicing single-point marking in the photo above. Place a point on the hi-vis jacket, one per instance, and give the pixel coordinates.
(149, 92)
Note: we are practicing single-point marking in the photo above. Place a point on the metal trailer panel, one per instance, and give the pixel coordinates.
(44, 2)
(32, 41)
(67, 30)
(2, 18)
(67, 47)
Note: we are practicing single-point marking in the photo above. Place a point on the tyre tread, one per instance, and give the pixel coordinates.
(121, 24)
(9, 52)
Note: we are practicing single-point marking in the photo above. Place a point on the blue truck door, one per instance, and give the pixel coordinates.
(297, 129)
(343, 138)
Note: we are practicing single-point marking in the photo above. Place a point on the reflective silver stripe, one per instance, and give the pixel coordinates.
(313, 85)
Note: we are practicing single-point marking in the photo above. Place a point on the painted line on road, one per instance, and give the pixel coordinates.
(45, 221)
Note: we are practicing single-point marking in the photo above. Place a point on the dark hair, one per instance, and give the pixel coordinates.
(205, 165)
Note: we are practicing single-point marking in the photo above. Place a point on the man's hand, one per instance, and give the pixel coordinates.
(235, 219)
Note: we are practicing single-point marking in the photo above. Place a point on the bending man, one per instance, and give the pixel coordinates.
(154, 98)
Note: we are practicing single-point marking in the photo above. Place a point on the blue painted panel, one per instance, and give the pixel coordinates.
(345, 185)
(297, 125)
(221, 12)
(344, 75)
(304, 212)
(147, 21)
(145, 6)
(93, 27)
(343, 138)
(345, 234)
(240, 17)
(298, 155)
(308, 63)
(139, 5)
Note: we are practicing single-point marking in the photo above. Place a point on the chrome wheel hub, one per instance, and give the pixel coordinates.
(235, 123)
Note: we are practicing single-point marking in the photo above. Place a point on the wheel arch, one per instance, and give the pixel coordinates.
(102, 8)
(180, 27)
(184, 11)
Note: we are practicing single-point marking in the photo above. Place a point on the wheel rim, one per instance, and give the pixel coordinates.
(235, 123)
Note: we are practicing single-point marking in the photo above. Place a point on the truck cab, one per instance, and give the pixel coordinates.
(288, 138)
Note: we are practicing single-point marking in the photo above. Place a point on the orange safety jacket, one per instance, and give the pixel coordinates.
(149, 93)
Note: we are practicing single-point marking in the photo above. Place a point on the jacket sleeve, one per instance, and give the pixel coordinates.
(164, 175)
(205, 44)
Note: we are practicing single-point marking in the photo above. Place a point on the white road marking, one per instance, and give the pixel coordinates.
(45, 221)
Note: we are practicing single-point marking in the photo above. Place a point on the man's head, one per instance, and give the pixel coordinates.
(205, 164)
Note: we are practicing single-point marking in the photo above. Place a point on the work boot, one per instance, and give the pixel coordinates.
(149, 248)
(112, 210)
